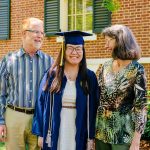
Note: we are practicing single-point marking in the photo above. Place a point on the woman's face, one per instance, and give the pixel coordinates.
(110, 43)
(74, 54)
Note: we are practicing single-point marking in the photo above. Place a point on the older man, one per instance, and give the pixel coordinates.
(20, 75)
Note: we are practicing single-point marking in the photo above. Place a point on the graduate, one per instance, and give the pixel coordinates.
(65, 112)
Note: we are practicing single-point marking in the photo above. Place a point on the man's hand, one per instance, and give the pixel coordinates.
(2, 133)
(40, 142)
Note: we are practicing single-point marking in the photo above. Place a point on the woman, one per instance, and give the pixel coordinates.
(65, 112)
(121, 115)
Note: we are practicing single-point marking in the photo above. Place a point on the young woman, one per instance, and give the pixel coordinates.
(65, 112)
(121, 116)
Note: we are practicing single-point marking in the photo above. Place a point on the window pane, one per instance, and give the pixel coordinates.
(89, 8)
(79, 6)
(69, 7)
(69, 23)
(88, 22)
(79, 22)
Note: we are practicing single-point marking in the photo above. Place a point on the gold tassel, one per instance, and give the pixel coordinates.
(62, 53)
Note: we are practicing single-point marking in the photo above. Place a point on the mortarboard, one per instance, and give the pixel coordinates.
(72, 37)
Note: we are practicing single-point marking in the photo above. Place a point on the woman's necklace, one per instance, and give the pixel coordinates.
(119, 66)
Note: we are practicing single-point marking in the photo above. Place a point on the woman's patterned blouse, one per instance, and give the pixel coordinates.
(122, 103)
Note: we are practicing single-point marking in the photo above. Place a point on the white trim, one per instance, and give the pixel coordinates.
(63, 15)
(145, 60)
(90, 38)
(93, 64)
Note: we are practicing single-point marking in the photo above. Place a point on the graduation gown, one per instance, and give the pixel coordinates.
(42, 111)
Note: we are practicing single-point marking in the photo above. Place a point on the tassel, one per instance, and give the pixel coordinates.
(48, 139)
(62, 54)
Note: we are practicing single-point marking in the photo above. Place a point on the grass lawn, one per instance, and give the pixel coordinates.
(2, 146)
(145, 145)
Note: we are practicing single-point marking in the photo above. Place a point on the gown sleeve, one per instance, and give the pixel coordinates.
(37, 124)
(93, 104)
(41, 107)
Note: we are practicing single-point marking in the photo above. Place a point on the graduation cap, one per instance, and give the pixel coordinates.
(72, 37)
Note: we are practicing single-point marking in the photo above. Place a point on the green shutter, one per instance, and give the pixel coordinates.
(51, 17)
(101, 16)
(4, 19)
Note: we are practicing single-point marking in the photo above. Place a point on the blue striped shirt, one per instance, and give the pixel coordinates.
(20, 76)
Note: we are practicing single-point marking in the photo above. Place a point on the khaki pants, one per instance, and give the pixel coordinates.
(99, 145)
(19, 134)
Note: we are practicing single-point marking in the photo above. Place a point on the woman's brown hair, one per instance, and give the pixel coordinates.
(126, 46)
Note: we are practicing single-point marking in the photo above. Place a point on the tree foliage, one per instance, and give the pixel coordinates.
(111, 5)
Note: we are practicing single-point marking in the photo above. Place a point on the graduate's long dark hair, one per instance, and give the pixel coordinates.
(59, 73)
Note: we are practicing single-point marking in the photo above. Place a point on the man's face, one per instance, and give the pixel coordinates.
(33, 37)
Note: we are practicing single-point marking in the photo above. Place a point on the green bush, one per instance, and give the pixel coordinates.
(111, 5)
(146, 135)
(2, 146)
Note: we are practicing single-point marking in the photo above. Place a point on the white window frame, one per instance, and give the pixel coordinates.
(64, 21)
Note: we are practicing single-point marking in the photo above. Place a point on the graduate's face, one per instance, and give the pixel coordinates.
(74, 54)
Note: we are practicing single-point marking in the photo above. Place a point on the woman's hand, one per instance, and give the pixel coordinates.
(40, 142)
(135, 144)
(90, 145)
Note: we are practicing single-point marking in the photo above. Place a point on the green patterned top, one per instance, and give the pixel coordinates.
(122, 103)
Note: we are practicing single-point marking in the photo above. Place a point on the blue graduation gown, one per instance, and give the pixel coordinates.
(42, 110)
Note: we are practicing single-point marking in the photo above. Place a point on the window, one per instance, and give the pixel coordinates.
(84, 15)
(4, 19)
(80, 15)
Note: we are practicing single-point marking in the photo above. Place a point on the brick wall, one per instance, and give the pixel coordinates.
(136, 14)
(133, 13)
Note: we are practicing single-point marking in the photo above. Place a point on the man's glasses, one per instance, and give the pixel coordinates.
(77, 49)
(36, 32)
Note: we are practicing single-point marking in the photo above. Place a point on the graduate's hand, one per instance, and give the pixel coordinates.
(2, 133)
(90, 145)
(40, 142)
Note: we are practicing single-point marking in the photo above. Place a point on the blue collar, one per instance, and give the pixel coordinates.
(21, 52)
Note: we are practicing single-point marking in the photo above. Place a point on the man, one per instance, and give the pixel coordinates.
(20, 75)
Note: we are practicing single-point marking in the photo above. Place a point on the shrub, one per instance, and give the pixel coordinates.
(111, 5)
